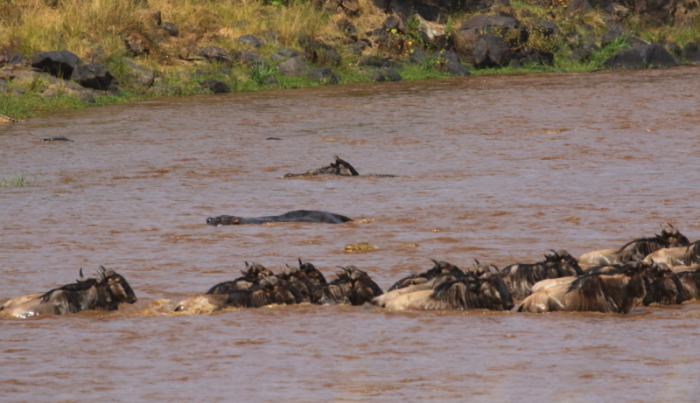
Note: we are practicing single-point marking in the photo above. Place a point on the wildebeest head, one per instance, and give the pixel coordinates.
(254, 272)
(494, 282)
(441, 267)
(672, 237)
(116, 285)
(312, 272)
(565, 263)
(662, 286)
(223, 220)
(480, 269)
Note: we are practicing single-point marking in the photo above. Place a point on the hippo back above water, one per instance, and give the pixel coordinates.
(314, 216)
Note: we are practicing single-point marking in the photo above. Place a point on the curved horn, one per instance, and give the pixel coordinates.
(81, 273)
(103, 268)
(495, 268)
(669, 224)
(247, 264)
(300, 262)
(477, 262)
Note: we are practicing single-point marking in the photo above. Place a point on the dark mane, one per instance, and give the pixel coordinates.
(609, 289)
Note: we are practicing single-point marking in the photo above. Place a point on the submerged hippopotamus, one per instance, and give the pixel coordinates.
(338, 168)
(292, 216)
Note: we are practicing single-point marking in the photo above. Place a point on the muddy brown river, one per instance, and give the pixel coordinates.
(500, 169)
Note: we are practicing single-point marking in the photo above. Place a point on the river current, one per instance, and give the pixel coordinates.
(499, 169)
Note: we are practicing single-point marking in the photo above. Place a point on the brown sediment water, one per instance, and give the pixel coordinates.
(500, 169)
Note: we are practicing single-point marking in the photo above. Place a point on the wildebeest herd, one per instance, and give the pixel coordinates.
(615, 280)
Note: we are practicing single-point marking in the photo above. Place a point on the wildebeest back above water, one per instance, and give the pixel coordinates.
(312, 216)
(102, 292)
(338, 168)
(635, 250)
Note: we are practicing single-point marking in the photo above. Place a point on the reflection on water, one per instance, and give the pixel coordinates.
(500, 169)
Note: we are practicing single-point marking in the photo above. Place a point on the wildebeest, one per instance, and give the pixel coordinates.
(267, 291)
(440, 267)
(473, 290)
(635, 250)
(690, 280)
(306, 279)
(292, 216)
(102, 292)
(662, 285)
(252, 275)
(519, 277)
(617, 292)
(353, 286)
(676, 256)
(338, 168)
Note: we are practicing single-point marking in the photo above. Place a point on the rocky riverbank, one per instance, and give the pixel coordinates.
(155, 49)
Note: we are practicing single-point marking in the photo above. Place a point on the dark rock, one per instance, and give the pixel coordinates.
(371, 61)
(548, 28)
(216, 54)
(326, 57)
(641, 56)
(451, 64)
(394, 22)
(140, 76)
(488, 23)
(514, 64)
(293, 67)
(579, 55)
(58, 64)
(384, 74)
(356, 48)
(416, 55)
(538, 58)
(13, 59)
(94, 75)
(215, 86)
(250, 40)
(324, 75)
(491, 51)
(283, 54)
(691, 52)
(170, 28)
(250, 59)
(674, 49)
(578, 7)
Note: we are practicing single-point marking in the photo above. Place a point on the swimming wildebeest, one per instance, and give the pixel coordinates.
(519, 277)
(677, 256)
(338, 168)
(102, 292)
(252, 275)
(292, 216)
(635, 250)
(473, 290)
(353, 286)
(440, 267)
(618, 292)
(267, 291)
(690, 280)
(306, 279)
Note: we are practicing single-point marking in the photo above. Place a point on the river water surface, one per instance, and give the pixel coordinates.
(500, 169)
